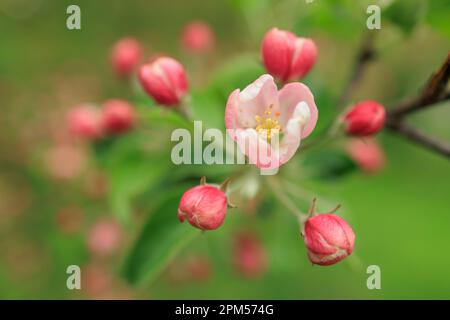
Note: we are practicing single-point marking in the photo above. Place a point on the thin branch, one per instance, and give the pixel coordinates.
(419, 137)
(365, 54)
(434, 92)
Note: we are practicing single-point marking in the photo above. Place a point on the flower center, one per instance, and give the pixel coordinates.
(268, 126)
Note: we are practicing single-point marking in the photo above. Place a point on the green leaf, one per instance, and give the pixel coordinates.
(329, 164)
(162, 237)
(405, 13)
(131, 170)
(438, 16)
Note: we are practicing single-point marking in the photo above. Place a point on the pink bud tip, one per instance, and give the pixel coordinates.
(118, 116)
(104, 237)
(125, 56)
(328, 239)
(164, 80)
(367, 154)
(85, 122)
(250, 257)
(287, 56)
(197, 37)
(203, 206)
(365, 118)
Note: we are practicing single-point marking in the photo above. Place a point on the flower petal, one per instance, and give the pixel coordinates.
(257, 149)
(289, 97)
(258, 96)
(292, 134)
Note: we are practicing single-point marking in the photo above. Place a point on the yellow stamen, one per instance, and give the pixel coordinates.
(266, 125)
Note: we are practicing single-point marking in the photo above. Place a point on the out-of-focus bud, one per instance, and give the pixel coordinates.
(328, 238)
(287, 56)
(85, 122)
(250, 257)
(96, 280)
(197, 37)
(65, 161)
(105, 237)
(69, 219)
(365, 118)
(118, 116)
(164, 80)
(198, 268)
(367, 154)
(204, 206)
(125, 56)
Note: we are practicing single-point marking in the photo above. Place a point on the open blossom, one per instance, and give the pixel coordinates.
(268, 124)
(367, 154)
(197, 37)
(328, 239)
(287, 56)
(164, 79)
(125, 56)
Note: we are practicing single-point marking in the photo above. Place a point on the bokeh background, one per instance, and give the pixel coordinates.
(52, 195)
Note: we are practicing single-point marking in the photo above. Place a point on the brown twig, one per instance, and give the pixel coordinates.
(433, 93)
(419, 137)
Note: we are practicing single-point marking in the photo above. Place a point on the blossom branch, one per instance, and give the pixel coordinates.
(434, 92)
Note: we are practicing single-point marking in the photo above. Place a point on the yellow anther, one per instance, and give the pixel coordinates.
(266, 125)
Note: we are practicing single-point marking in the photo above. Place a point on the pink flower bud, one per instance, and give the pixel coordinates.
(328, 239)
(85, 122)
(165, 80)
(250, 257)
(203, 206)
(118, 116)
(287, 56)
(365, 118)
(125, 56)
(104, 237)
(367, 154)
(197, 37)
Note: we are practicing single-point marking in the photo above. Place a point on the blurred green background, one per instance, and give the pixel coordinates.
(401, 216)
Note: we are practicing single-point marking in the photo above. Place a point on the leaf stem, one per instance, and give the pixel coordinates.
(275, 185)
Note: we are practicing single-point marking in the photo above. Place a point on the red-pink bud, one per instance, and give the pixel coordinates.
(203, 206)
(118, 116)
(165, 80)
(250, 257)
(197, 37)
(125, 56)
(367, 154)
(365, 118)
(328, 239)
(287, 56)
(85, 122)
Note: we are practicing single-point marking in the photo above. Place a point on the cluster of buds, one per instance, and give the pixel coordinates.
(115, 117)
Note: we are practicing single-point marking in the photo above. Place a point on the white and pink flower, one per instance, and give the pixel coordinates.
(268, 125)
